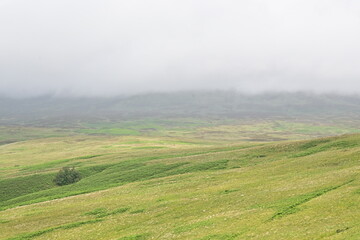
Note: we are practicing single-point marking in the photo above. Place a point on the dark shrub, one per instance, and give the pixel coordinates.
(66, 176)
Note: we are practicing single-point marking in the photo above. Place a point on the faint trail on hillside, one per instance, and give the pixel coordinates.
(306, 198)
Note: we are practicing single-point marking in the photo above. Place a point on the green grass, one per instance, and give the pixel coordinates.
(224, 129)
(299, 200)
(324, 145)
(15, 187)
(102, 212)
(221, 237)
(101, 177)
(11, 134)
(57, 163)
(135, 237)
(160, 188)
(66, 226)
(190, 227)
(111, 131)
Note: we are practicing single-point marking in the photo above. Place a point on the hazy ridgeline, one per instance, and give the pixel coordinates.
(48, 110)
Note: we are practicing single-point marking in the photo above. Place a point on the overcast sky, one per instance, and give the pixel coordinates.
(111, 47)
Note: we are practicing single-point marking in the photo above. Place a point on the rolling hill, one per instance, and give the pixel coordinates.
(138, 187)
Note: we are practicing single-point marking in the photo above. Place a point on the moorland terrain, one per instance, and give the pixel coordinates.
(230, 167)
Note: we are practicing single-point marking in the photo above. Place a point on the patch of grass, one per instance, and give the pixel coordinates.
(4, 221)
(111, 131)
(96, 212)
(105, 176)
(28, 186)
(206, 166)
(109, 175)
(135, 237)
(118, 174)
(149, 147)
(15, 187)
(190, 227)
(321, 145)
(12, 134)
(56, 163)
(137, 211)
(230, 236)
(103, 212)
(293, 208)
(118, 211)
(311, 144)
(48, 230)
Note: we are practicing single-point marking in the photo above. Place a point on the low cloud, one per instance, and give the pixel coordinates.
(106, 48)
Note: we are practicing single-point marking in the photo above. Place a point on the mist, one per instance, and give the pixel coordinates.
(109, 48)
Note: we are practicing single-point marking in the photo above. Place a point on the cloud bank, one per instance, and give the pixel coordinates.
(111, 47)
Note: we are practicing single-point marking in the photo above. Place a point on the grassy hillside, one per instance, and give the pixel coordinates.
(192, 129)
(137, 187)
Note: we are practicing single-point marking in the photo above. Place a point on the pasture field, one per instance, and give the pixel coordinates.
(192, 129)
(10, 134)
(213, 181)
(223, 129)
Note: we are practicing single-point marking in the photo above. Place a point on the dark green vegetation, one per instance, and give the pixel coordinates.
(102, 212)
(66, 226)
(14, 187)
(67, 176)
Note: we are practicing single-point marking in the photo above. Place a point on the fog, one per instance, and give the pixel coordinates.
(112, 47)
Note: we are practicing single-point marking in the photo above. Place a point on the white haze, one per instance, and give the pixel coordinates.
(112, 47)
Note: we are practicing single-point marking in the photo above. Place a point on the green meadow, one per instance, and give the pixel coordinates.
(191, 179)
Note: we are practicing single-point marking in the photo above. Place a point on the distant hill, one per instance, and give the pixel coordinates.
(215, 104)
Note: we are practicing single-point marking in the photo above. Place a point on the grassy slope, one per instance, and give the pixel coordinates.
(182, 190)
(271, 129)
(215, 130)
(10, 134)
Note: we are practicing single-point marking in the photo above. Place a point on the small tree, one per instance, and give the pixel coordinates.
(67, 176)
